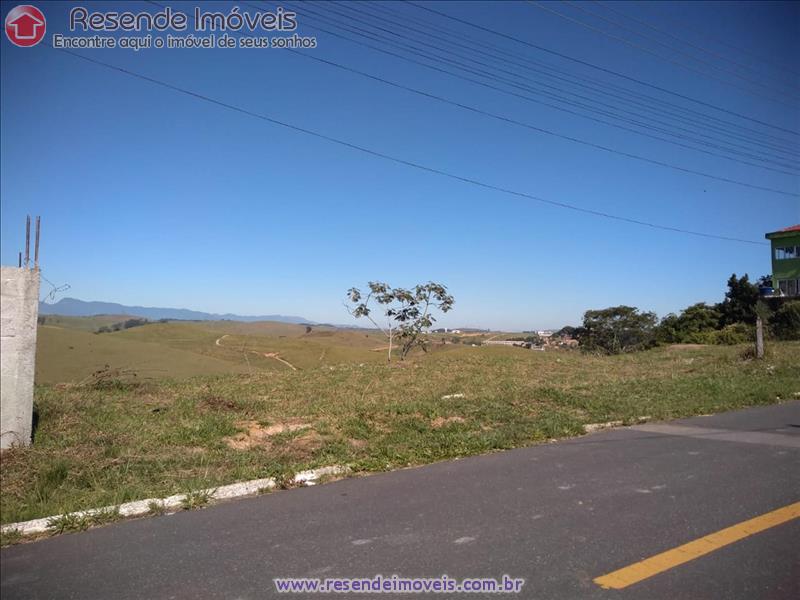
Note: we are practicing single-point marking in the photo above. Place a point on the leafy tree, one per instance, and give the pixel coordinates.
(617, 329)
(765, 281)
(690, 326)
(407, 313)
(740, 302)
(785, 323)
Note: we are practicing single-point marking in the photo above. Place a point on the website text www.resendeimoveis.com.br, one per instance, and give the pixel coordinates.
(396, 584)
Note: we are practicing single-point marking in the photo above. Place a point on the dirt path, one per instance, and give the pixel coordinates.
(276, 357)
(264, 354)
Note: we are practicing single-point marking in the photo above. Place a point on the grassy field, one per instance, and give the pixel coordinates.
(68, 350)
(110, 440)
(89, 324)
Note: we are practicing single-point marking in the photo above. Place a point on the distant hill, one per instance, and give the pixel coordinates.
(72, 307)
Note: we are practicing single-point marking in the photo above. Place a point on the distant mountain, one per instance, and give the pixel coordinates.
(72, 307)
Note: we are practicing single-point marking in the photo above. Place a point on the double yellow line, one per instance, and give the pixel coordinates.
(659, 563)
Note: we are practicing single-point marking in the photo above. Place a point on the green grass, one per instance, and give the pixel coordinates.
(88, 324)
(110, 442)
(70, 352)
(72, 355)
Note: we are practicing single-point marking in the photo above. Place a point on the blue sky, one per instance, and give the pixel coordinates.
(155, 198)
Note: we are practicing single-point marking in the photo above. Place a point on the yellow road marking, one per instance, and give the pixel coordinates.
(659, 563)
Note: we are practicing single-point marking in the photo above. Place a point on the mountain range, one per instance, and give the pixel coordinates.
(72, 307)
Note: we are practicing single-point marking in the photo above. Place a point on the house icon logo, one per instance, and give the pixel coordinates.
(25, 25)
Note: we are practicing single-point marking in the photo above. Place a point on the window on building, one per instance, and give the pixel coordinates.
(789, 287)
(784, 252)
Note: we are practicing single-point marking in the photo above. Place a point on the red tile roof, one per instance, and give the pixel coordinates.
(789, 229)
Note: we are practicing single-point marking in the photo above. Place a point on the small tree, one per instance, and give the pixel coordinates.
(407, 312)
(617, 329)
(740, 301)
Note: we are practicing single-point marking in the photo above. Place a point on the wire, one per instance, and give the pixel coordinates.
(599, 68)
(712, 53)
(495, 69)
(557, 107)
(395, 159)
(56, 289)
(790, 95)
(652, 53)
(624, 95)
(533, 127)
(617, 97)
(708, 35)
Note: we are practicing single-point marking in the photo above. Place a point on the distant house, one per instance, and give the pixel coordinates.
(786, 260)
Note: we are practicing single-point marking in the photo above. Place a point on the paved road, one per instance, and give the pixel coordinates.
(558, 515)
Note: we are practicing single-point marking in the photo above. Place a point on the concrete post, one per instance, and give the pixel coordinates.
(19, 311)
(759, 337)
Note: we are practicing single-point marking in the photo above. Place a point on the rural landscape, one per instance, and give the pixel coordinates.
(129, 408)
(379, 298)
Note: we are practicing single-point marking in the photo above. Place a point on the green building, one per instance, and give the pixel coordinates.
(786, 260)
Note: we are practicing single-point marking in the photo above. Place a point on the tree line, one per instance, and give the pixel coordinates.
(621, 329)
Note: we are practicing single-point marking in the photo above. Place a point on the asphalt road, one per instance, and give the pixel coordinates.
(558, 515)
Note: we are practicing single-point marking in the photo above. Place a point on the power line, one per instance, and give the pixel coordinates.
(651, 52)
(712, 53)
(620, 94)
(792, 98)
(533, 127)
(525, 88)
(618, 98)
(602, 69)
(708, 35)
(395, 159)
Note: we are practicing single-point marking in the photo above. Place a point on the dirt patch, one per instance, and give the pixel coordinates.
(303, 447)
(219, 403)
(439, 422)
(678, 347)
(255, 434)
(194, 450)
(357, 444)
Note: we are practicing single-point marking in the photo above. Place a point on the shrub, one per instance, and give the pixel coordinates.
(785, 323)
(692, 326)
(730, 335)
